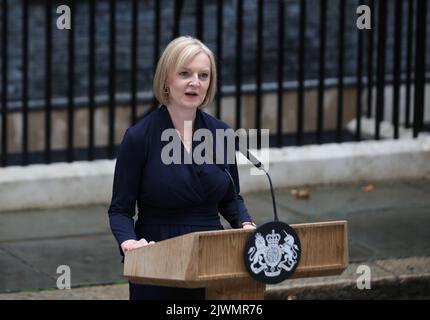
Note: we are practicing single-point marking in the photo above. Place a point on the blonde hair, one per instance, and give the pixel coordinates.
(177, 53)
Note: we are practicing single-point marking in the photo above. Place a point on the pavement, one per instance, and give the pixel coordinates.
(388, 231)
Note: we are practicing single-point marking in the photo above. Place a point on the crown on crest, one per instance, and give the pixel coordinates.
(273, 238)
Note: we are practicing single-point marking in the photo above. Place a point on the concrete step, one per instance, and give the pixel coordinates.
(389, 279)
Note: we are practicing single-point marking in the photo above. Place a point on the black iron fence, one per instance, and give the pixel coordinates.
(299, 45)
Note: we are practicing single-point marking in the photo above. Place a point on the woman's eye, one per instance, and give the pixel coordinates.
(183, 73)
(204, 75)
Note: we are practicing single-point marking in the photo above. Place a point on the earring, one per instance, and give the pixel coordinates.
(166, 92)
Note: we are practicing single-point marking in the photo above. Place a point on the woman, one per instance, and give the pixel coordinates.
(173, 199)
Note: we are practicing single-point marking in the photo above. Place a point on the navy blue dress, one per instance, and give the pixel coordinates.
(173, 199)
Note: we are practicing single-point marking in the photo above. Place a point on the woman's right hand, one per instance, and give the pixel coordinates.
(134, 244)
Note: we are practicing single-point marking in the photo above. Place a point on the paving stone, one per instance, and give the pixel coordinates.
(391, 222)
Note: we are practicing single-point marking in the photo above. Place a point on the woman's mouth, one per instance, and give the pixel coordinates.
(191, 95)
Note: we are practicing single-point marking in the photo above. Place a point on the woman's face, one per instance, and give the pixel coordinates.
(188, 84)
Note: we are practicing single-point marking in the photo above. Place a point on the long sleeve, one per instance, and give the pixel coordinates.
(128, 172)
(233, 211)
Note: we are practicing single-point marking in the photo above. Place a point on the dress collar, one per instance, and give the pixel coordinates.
(167, 122)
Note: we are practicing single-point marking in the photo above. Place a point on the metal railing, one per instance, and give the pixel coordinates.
(370, 74)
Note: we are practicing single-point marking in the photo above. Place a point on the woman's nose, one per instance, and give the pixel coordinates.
(195, 80)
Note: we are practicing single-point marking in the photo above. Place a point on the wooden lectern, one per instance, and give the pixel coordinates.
(214, 260)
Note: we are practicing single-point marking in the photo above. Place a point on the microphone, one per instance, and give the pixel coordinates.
(245, 151)
(257, 163)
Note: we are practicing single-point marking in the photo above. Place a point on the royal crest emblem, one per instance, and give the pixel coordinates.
(273, 255)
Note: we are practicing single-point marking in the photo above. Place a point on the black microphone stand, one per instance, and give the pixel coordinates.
(271, 191)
